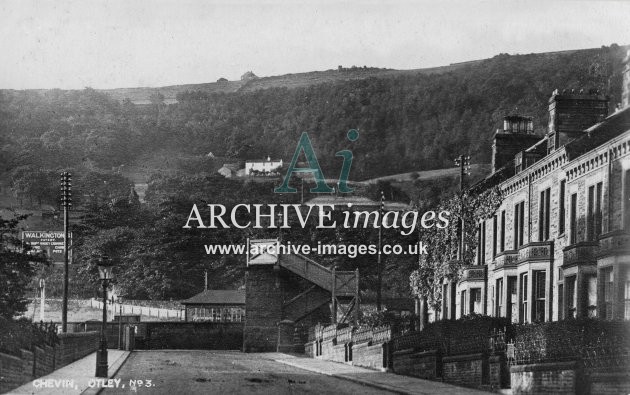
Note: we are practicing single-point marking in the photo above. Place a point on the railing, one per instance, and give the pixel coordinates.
(407, 341)
(128, 309)
(378, 335)
(320, 275)
(381, 334)
(24, 335)
(606, 356)
(308, 269)
(329, 332)
(498, 341)
(305, 303)
(344, 335)
(316, 333)
(362, 335)
(597, 345)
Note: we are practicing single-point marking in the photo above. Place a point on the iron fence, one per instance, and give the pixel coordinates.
(24, 335)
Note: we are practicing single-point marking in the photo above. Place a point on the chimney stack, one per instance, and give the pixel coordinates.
(570, 113)
(517, 135)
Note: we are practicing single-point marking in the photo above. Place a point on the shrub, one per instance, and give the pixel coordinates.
(22, 334)
(594, 343)
(469, 334)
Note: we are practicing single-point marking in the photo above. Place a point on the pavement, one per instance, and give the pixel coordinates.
(233, 372)
(199, 371)
(223, 372)
(75, 378)
(376, 379)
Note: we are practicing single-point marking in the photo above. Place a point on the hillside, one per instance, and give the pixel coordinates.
(409, 120)
(141, 95)
(411, 124)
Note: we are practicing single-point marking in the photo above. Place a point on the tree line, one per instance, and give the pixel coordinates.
(406, 123)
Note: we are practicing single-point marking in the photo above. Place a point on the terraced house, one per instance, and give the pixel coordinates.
(559, 244)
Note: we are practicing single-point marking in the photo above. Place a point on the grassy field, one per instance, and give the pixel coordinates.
(430, 174)
(77, 312)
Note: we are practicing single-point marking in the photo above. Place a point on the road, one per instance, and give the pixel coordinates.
(224, 372)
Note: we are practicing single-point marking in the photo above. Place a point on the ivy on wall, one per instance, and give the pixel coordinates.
(442, 261)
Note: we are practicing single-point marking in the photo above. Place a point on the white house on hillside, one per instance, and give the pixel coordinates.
(262, 167)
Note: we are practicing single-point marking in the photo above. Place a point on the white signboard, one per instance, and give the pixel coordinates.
(49, 241)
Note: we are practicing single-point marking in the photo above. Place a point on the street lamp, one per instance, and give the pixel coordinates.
(119, 299)
(105, 273)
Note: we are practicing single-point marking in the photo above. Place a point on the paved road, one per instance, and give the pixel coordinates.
(224, 372)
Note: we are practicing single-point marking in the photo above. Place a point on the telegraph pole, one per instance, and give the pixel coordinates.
(378, 261)
(66, 201)
(463, 162)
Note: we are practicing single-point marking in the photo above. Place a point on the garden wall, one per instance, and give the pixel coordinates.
(19, 367)
(568, 357)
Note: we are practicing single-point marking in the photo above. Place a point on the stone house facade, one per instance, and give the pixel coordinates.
(559, 244)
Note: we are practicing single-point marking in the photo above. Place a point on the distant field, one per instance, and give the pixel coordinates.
(77, 312)
(429, 174)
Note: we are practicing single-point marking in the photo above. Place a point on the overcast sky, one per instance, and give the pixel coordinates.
(113, 44)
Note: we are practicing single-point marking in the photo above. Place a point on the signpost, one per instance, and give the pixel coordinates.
(51, 242)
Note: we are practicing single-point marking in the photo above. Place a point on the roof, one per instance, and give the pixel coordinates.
(268, 160)
(596, 135)
(218, 296)
(593, 137)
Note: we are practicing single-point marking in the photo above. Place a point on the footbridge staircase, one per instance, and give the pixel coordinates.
(267, 282)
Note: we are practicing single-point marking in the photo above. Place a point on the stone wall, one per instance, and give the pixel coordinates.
(423, 364)
(263, 309)
(364, 354)
(544, 378)
(605, 383)
(469, 370)
(368, 355)
(44, 360)
(16, 370)
(189, 335)
(111, 331)
(73, 346)
(498, 372)
(310, 349)
(338, 353)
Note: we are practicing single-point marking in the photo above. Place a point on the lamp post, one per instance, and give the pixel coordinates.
(120, 300)
(105, 273)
